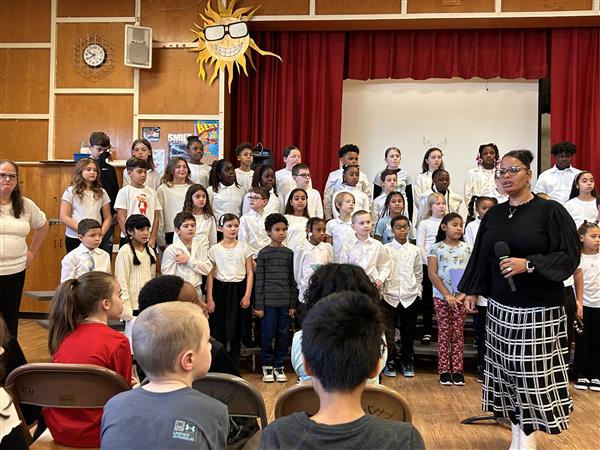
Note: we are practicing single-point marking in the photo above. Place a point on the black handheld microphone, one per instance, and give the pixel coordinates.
(502, 251)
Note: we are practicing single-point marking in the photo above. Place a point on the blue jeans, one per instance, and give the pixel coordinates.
(274, 324)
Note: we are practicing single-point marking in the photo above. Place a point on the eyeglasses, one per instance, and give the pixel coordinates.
(8, 176)
(254, 197)
(512, 170)
(217, 32)
(304, 175)
(401, 227)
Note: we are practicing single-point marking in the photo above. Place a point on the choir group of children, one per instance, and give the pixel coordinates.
(249, 241)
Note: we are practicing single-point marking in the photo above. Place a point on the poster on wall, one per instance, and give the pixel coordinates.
(178, 144)
(208, 131)
(158, 156)
(151, 134)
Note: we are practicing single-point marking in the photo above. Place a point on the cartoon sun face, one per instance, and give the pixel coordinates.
(224, 41)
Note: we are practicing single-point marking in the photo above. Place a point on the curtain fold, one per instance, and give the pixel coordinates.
(575, 93)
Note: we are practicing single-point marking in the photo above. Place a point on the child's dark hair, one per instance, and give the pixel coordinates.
(243, 146)
(146, 143)
(194, 139)
(298, 167)
(386, 173)
(287, 150)
(342, 340)
(74, 300)
(86, 225)
(347, 149)
(100, 139)
(563, 147)
(424, 165)
(289, 209)
(312, 222)
(216, 169)
(18, 205)
(525, 156)
(258, 174)
(575, 188)
(188, 203)
(482, 147)
(274, 218)
(441, 234)
(262, 191)
(161, 289)
(386, 206)
(585, 227)
(399, 218)
(182, 217)
(436, 173)
(391, 149)
(136, 163)
(474, 203)
(137, 222)
(168, 177)
(226, 218)
(346, 168)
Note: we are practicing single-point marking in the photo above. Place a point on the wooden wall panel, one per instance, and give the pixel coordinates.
(24, 140)
(277, 7)
(77, 116)
(24, 80)
(546, 5)
(170, 126)
(69, 34)
(24, 20)
(357, 7)
(104, 8)
(172, 20)
(450, 6)
(172, 85)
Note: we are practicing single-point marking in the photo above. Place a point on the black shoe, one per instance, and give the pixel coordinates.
(407, 369)
(458, 379)
(426, 339)
(480, 377)
(390, 369)
(446, 379)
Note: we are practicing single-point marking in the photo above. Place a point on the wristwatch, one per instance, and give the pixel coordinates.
(530, 267)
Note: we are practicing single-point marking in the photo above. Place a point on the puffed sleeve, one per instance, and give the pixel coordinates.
(563, 256)
(476, 279)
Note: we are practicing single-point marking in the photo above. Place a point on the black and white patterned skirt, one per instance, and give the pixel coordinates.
(526, 367)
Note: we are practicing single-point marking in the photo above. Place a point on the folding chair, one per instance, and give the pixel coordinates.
(376, 400)
(62, 386)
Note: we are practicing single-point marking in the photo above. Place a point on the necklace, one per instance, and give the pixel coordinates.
(511, 211)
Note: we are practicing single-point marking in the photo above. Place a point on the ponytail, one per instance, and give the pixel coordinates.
(471, 210)
(74, 300)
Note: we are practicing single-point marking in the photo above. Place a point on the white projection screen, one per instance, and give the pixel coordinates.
(456, 115)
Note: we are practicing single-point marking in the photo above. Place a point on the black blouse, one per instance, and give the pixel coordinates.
(541, 231)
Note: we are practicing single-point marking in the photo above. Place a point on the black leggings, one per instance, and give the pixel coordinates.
(11, 290)
(427, 303)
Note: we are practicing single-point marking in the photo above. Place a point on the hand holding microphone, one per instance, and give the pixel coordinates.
(509, 267)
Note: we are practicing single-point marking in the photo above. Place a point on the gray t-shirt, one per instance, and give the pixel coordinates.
(182, 419)
(298, 431)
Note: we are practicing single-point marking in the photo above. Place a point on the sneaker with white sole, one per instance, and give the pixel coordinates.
(390, 369)
(445, 379)
(407, 369)
(582, 384)
(280, 376)
(268, 374)
(595, 385)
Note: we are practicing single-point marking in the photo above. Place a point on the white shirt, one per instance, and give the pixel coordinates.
(403, 179)
(296, 234)
(314, 204)
(230, 263)
(368, 254)
(199, 173)
(227, 200)
(88, 207)
(252, 231)
(339, 231)
(13, 234)
(426, 233)
(152, 179)
(197, 265)
(406, 274)
(453, 202)
(557, 183)
(423, 183)
(376, 210)
(138, 201)
(132, 278)
(284, 181)
(171, 200)
(307, 259)
(274, 205)
(580, 210)
(479, 181)
(471, 231)
(335, 178)
(361, 200)
(83, 260)
(590, 266)
(244, 179)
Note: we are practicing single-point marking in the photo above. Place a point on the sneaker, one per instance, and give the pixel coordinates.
(595, 384)
(480, 376)
(426, 339)
(582, 383)
(280, 375)
(475, 343)
(445, 379)
(390, 369)
(268, 374)
(407, 369)
(458, 379)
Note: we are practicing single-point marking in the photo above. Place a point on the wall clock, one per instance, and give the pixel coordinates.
(93, 56)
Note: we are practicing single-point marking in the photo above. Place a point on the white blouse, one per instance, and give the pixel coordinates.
(87, 207)
(296, 234)
(227, 200)
(230, 263)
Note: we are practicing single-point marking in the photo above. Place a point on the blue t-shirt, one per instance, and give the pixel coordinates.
(450, 259)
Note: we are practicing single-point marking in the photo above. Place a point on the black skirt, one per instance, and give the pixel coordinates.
(228, 312)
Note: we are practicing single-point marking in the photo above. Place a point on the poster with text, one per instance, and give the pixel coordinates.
(208, 131)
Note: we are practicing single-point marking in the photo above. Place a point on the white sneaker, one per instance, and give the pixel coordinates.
(280, 375)
(582, 384)
(268, 374)
(595, 384)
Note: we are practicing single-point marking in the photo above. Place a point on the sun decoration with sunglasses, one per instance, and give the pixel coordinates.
(224, 41)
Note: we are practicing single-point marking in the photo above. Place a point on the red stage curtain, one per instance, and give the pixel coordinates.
(466, 54)
(575, 93)
(297, 101)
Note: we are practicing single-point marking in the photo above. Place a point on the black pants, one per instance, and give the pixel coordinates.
(481, 314)
(169, 237)
(405, 319)
(587, 348)
(11, 289)
(107, 241)
(427, 304)
(72, 243)
(571, 310)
